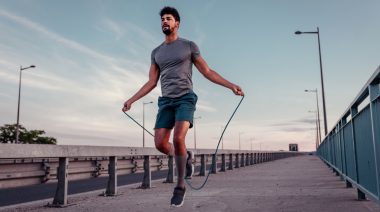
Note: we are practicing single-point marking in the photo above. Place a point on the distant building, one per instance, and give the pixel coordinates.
(293, 147)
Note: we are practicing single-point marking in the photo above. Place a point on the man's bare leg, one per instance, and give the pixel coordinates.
(180, 131)
(161, 140)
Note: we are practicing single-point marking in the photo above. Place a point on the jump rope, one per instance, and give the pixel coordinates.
(216, 150)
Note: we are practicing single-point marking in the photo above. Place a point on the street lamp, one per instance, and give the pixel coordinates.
(317, 138)
(239, 139)
(320, 65)
(18, 105)
(319, 119)
(195, 134)
(144, 103)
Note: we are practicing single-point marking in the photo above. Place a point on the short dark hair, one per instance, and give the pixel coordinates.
(171, 11)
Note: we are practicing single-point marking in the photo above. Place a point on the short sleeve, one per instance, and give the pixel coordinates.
(152, 57)
(194, 50)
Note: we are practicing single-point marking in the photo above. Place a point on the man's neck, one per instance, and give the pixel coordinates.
(170, 38)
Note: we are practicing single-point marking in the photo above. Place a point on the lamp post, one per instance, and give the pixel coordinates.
(239, 139)
(319, 119)
(320, 65)
(195, 134)
(18, 104)
(144, 103)
(317, 139)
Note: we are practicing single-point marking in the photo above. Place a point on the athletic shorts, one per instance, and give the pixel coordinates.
(171, 110)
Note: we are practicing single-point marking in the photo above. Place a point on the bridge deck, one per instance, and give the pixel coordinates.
(301, 183)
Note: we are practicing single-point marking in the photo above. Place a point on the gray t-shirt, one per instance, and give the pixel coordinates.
(175, 61)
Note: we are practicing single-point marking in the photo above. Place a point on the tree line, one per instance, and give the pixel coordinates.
(8, 135)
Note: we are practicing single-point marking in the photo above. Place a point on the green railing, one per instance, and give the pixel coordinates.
(352, 147)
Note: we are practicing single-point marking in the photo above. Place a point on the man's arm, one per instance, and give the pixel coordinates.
(214, 77)
(154, 75)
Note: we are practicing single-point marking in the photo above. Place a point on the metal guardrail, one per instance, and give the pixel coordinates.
(27, 164)
(352, 147)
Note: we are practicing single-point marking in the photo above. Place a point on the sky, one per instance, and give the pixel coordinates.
(92, 55)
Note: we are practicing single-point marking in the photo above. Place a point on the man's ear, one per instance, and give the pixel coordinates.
(177, 24)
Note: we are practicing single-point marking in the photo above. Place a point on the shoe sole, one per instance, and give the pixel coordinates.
(180, 205)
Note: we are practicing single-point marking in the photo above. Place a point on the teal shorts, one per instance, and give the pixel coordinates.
(171, 110)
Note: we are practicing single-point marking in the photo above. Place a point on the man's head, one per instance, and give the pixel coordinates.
(169, 20)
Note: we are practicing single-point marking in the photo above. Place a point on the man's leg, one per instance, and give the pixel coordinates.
(161, 140)
(180, 131)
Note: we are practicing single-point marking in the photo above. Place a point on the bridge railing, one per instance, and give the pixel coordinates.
(352, 147)
(28, 164)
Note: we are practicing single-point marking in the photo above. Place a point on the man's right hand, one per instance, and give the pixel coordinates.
(127, 106)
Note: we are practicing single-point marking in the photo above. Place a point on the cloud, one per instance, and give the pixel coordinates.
(205, 106)
(294, 122)
(5, 95)
(41, 29)
(295, 129)
(130, 36)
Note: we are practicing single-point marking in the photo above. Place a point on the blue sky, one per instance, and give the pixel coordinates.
(93, 55)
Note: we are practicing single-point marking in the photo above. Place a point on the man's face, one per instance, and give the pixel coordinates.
(168, 24)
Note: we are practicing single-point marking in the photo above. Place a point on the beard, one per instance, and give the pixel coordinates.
(166, 30)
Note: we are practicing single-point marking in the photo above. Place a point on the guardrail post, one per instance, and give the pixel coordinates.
(111, 189)
(231, 162)
(147, 179)
(214, 164)
(374, 92)
(348, 184)
(237, 161)
(361, 195)
(242, 163)
(260, 157)
(60, 198)
(247, 159)
(203, 165)
(354, 111)
(242, 158)
(170, 176)
(223, 168)
(252, 159)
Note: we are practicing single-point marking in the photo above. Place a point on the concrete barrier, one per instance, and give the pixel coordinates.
(28, 164)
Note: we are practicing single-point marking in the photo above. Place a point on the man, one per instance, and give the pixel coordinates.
(172, 62)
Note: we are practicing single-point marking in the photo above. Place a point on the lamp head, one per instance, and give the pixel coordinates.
(298, 32)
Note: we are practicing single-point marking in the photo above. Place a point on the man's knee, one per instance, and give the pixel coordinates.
(160, 146)
(178, 140)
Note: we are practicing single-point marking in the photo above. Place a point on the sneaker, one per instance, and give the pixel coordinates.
(189, 165)
(178, 197)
